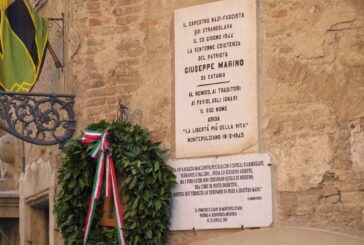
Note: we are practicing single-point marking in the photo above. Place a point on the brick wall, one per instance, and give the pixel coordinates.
(312, 89)
(311, 58)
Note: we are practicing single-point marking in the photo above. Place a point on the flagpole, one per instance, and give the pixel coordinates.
(54, 56)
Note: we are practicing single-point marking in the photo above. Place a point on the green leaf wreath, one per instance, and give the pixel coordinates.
(146, 188)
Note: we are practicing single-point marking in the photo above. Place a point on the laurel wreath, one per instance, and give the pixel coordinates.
(145, 191)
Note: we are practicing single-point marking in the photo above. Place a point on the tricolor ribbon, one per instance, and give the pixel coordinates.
(102, 152)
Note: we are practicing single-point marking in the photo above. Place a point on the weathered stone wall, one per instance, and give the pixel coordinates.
(9, 163)
(37, 195)
(312, 87)
(312, 90)
(311, 58)
(37, 183)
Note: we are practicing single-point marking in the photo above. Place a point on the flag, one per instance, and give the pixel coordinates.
(23, 42)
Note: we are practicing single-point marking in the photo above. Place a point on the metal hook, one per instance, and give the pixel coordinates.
(122, 113)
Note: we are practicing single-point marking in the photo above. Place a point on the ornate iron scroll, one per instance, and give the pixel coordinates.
(41, 119)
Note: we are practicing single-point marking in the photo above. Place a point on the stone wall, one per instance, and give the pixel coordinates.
(37, 183)
(311, 61)
(312, 87)
(9, 163)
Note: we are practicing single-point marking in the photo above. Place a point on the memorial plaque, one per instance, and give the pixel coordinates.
(216, 78)
(222, 192)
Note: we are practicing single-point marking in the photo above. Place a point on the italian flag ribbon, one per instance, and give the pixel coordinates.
(102, 152)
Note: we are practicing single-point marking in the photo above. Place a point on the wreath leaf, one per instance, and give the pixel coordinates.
(146, 188)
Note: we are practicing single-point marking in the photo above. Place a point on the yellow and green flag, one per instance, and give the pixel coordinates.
(23, 42)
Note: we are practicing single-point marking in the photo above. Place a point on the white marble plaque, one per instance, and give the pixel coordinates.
(216, 78)
(222, 192)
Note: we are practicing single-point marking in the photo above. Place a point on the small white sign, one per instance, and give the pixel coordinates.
(216, 79)
(222, 192)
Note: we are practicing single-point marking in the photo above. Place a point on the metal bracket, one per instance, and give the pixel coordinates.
(38, 118)
(59, 24)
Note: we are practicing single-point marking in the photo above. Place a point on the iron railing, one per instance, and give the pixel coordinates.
(38, 118)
